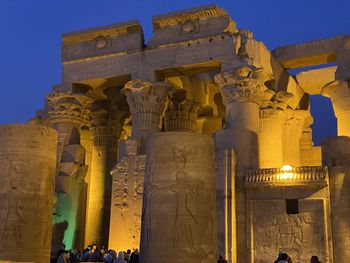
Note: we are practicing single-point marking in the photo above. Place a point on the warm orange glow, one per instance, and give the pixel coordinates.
(286, 172)
(287, 168)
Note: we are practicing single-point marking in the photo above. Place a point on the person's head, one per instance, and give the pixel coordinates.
(128, 251)
(136, 251)
(93, 247)
(314, 259)
(284, 256)
(120, 255)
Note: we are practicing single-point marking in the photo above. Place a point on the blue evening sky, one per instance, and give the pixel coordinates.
(31, 32)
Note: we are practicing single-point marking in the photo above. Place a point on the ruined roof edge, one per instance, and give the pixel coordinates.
(107, 31)
(176, 17)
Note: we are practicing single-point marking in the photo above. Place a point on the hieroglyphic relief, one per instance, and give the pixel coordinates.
(127, 192)
(178, 218)
(300, 235)
(26, 193)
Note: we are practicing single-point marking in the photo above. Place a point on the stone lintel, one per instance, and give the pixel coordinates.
(310, 53)
(188, 24)
(307, 176)
(102, 41)
(312, 81)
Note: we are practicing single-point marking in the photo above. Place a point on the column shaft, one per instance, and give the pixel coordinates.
(104, 157)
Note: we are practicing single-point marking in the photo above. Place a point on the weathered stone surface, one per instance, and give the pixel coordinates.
(339, 92)
(178, 218)
(126, 204)
(27, 178)
(190, 24)
(310, 53)
(274, 227)
(147, 102)
(102, 41)
(312, 81)
(336, 154)
(221, 81)
(181, 116)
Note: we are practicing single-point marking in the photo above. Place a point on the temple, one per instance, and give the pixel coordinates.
(194, 144)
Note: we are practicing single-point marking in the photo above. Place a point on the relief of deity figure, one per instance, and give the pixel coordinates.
(185, 219)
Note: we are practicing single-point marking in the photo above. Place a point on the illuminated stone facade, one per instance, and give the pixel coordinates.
(27, 180)
(135, 124)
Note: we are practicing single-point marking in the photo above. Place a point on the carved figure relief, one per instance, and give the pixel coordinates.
(298, 234)
(178, 209)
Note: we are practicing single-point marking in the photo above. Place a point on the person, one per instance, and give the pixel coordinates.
(74, 255)
(134, 258)
(222, 259)
(120, 258)
(63, 257)
(283, 258)
(94, 256)
(127, 255)
(314, 259)
(111, 256)
(86, 254)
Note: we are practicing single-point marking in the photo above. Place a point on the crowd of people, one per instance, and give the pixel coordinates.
(93, 254)
(285, 258)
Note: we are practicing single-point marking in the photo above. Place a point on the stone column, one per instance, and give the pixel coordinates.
(292, 130)
(27, 178)
(181, 116)
(147, 102)
(68, 112)
(242, 93)
(178, 218)
(107, 123)
(339, 92)
(336, 155)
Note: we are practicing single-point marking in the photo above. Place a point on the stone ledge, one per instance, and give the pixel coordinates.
(106, 31)
(178, 17)
(306, 176)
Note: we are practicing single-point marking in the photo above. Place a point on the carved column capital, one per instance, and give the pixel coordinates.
(279, 101)
(66, 107)
(181, 116)
(244, 85)
(147, 102)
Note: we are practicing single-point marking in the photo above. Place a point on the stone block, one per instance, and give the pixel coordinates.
(102, 41)
(190, 24)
